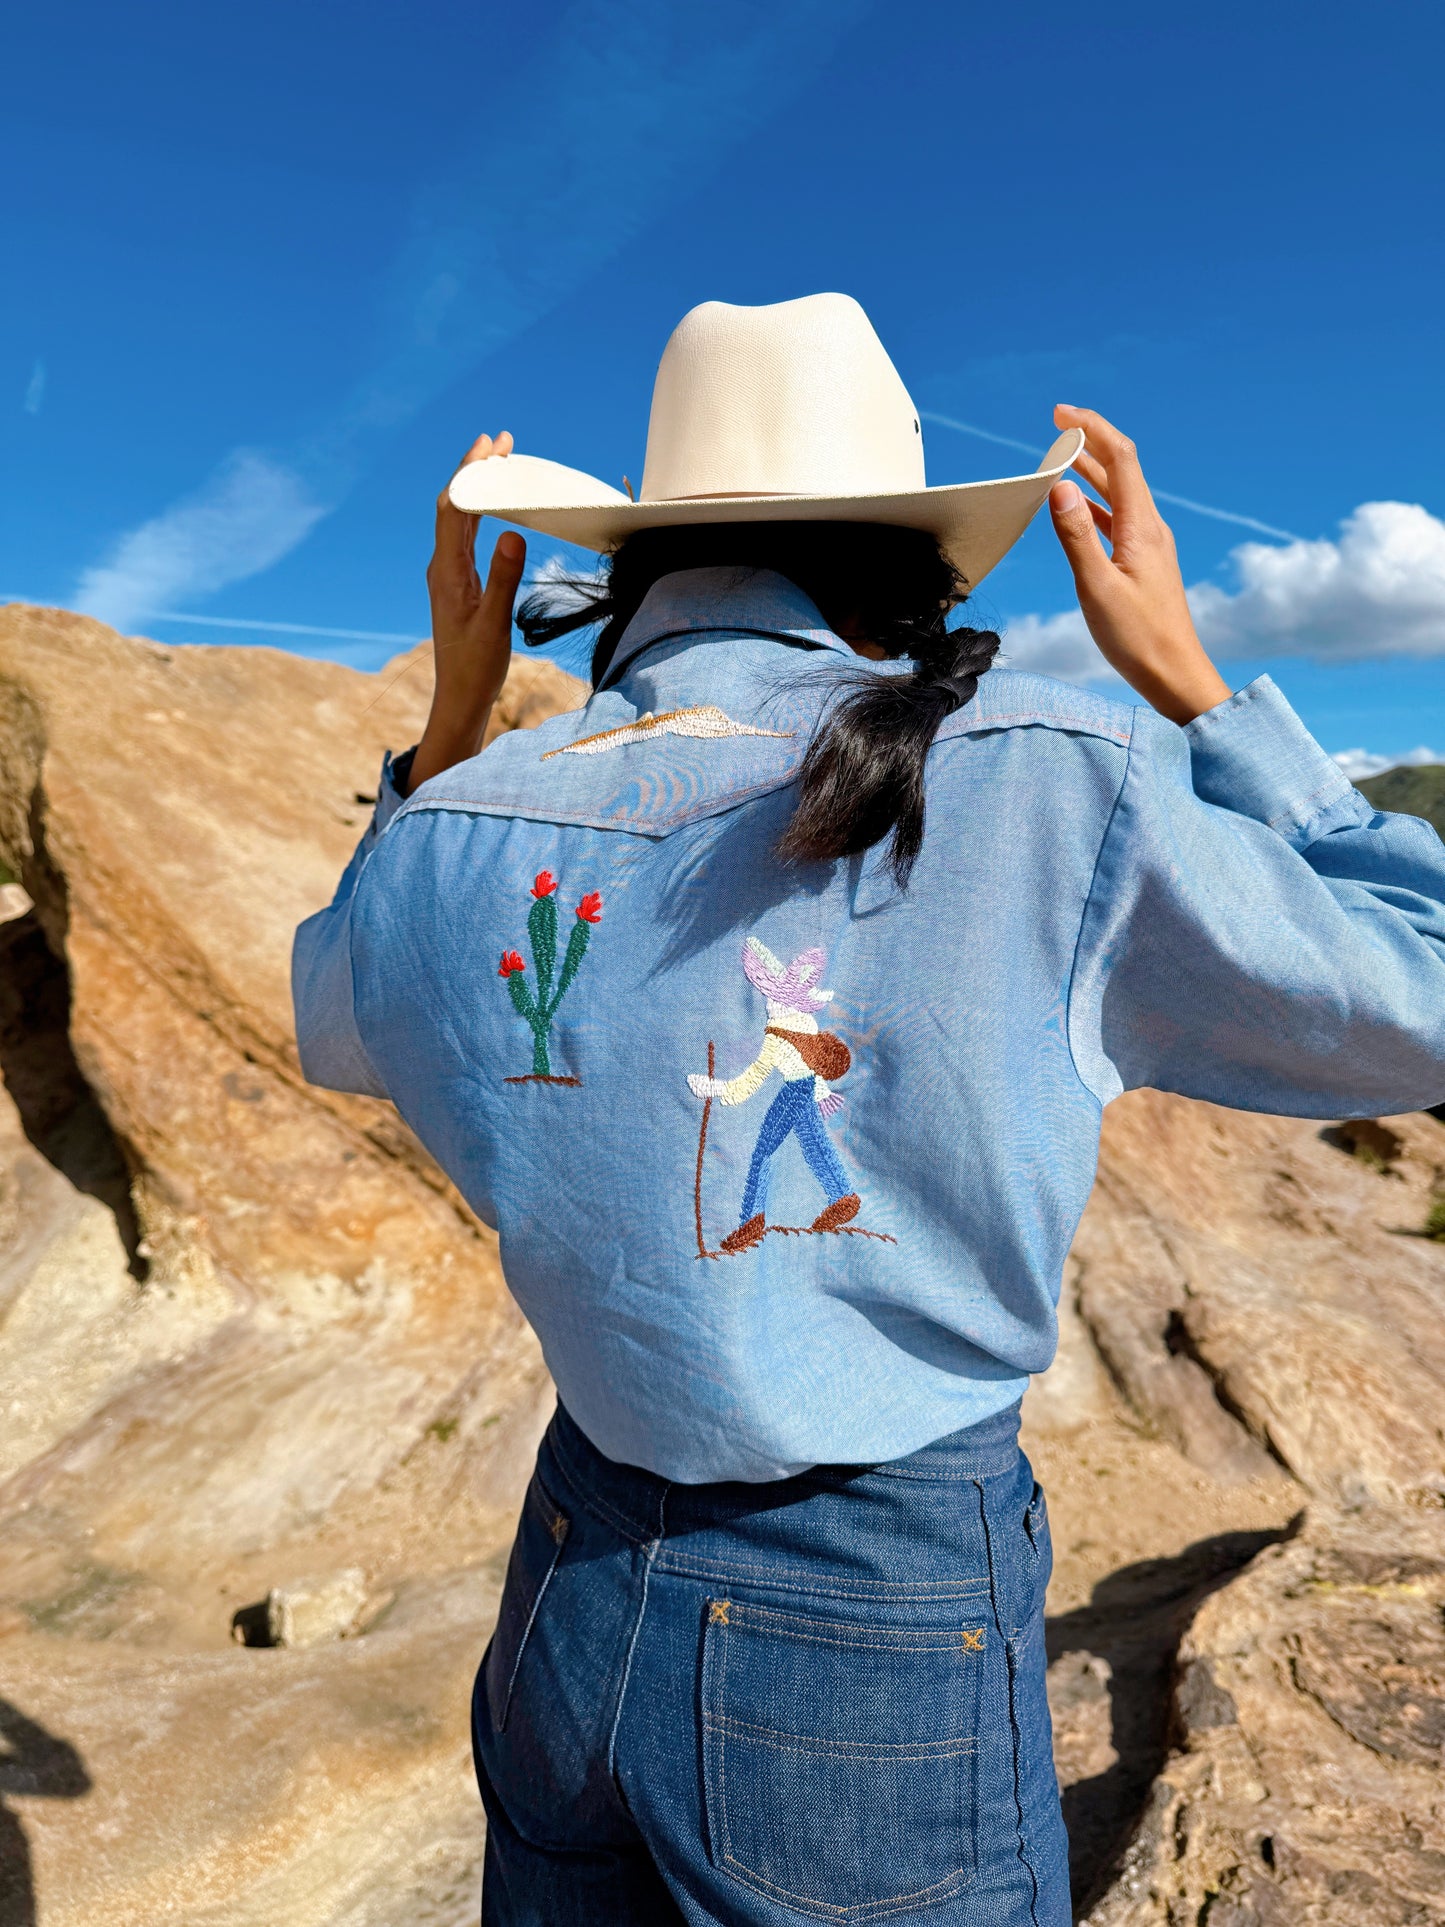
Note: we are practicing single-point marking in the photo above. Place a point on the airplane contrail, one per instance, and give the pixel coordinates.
(269, 628)
(928, 414)
(281, 628)
(1179, 501)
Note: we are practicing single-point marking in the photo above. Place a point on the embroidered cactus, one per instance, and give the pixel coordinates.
(538, 1009)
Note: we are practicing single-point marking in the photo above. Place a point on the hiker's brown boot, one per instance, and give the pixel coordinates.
(837, 1214)
(751, 1233)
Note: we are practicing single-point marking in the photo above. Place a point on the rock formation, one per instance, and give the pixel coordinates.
(1253, 1299)
(249, 1336)
(1309, 1723)
(266, 1409)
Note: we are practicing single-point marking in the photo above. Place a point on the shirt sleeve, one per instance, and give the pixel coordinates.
(330, 1046)
(1256, 933)
(737, 1090)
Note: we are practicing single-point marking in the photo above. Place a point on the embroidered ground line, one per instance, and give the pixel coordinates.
(535, 1077)
(836, 1231)
(807, 1231)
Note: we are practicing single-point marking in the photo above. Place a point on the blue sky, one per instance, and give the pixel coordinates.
(271, 269)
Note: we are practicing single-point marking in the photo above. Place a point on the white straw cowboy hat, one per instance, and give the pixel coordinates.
(787, 413)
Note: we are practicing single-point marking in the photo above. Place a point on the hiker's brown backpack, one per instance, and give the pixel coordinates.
(825, 1054)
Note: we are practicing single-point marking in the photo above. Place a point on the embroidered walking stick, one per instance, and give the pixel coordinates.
(702, 1250)
(808, 1061)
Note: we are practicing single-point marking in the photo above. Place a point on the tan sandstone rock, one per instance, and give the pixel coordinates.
(330, 1787)
(1309, 1705)
(1256, 1288)
(1272, 1324)
(250, 1339)
(308, 1295)
(312, 1610)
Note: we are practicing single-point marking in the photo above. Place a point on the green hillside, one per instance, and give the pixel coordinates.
(1415, 792)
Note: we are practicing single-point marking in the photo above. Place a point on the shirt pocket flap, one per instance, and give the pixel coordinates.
(642, 789)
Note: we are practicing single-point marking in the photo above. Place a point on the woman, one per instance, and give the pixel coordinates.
(771, 1645)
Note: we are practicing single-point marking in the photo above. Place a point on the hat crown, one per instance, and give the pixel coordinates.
(795, 398)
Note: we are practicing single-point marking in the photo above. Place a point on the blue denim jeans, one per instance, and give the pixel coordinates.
(793, 1110)
(816, 1699)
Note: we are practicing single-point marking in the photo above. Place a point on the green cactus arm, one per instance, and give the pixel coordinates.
(542, 929)
(571, 963)
(521, 997)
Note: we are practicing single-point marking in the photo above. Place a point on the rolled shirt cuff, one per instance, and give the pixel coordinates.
(389, 798)
(1253, 755)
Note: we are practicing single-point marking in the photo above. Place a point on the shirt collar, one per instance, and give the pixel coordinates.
(723, 601)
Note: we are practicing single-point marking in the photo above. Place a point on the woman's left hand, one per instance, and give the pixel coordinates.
(1132, 594)
(471, 628)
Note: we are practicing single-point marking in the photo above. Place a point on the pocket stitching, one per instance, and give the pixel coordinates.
(590, 1502)
(882, 1592)
(941, 1639)
(805, 1743)
(944, 1889)
(536, 1606)
(865, 1910)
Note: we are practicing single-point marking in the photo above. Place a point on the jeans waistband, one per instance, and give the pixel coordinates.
(634, 1499)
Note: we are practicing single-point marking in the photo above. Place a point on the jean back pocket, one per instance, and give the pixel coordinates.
(840, 1759)
(541, 1535)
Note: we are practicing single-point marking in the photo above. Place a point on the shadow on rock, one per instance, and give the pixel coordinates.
(1128, 1635)
(35, 1763)
(60, 1113)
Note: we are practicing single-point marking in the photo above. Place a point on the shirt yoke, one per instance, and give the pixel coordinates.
(1015, 699)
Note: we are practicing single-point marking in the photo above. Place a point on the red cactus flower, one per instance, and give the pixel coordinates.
(590, 908)
(510, 964)
(544, 886)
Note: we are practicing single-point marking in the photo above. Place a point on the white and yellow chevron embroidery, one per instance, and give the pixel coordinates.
(705, 721)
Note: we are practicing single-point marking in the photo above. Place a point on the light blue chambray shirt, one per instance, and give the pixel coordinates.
(535, 954)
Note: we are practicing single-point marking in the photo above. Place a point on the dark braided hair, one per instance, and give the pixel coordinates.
(861, 780)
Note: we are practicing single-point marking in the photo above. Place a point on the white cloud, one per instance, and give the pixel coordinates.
(1378, 590)
(249, 514)
(35, 389)
(1359, 763)
(1054, 646)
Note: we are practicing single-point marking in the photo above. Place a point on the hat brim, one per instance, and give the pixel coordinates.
(976, 523)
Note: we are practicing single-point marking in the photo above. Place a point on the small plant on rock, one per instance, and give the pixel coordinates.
(537, 1009)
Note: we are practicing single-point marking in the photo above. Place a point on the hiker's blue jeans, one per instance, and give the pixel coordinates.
(819, 1699)
(793, 1110)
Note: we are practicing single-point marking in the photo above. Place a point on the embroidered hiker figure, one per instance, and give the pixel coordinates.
(809, 1061)
(539, 1010)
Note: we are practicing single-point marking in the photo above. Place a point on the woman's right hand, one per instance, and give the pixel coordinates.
(471, 628)
(1133, 599)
